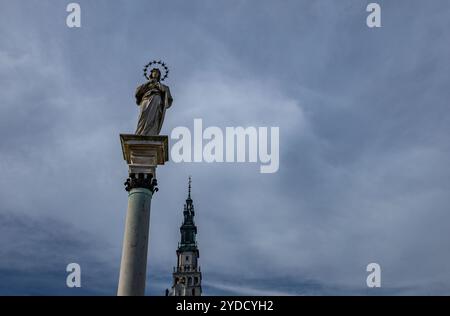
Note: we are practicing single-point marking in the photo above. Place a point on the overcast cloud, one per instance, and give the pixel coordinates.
(364, 122)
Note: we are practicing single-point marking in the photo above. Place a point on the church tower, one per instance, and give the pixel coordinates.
(187, 278)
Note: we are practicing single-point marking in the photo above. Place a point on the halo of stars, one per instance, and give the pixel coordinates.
(161, 65)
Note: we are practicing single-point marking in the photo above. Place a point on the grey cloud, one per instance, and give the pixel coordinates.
(363, 119)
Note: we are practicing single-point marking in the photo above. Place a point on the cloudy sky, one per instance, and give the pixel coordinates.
(364, 122)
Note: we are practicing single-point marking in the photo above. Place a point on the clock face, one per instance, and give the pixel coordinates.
(300, 146)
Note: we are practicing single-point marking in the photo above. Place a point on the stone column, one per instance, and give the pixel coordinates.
(143, 154)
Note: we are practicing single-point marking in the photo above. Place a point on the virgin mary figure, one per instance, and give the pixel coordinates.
(153, 98)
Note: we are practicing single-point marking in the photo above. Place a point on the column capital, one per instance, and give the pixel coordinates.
(141, 180)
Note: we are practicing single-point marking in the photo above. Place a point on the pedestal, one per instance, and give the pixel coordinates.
(142, 154)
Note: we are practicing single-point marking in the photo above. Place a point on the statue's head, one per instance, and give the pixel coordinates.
(155, 74)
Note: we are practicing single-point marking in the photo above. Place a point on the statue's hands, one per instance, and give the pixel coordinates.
(151, 84)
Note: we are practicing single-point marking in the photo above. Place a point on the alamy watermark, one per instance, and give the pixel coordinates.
(374, 18)
(74, 17)
(73, 279)
(374, 278)
(235, 144)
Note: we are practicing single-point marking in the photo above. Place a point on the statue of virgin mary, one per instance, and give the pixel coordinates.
(153, 98)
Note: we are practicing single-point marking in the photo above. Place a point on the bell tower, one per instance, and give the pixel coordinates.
(187, 277)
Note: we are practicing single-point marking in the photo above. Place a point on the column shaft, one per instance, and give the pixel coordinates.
(133, 265)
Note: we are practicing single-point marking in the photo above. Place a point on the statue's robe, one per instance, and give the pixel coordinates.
(153, 99)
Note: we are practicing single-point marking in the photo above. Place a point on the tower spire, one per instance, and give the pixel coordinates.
(187, 275)
(189, 190)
